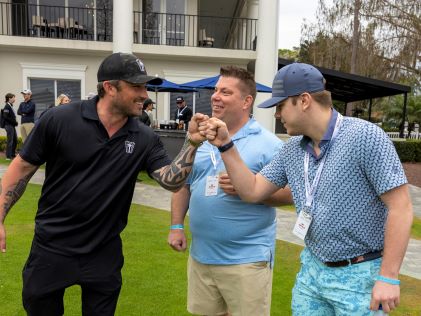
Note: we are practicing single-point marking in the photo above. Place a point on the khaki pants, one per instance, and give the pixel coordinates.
(241, 289)
(25, 129)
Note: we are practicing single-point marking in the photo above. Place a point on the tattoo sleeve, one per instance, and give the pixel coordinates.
(172, 177)
(13, 195)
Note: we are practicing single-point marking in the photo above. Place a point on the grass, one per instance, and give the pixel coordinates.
(154, 276)
(142, 176)
(145, 179)
(416, 228)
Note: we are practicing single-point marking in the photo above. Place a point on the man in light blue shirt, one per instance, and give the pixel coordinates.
(350, 191)
(233, 242)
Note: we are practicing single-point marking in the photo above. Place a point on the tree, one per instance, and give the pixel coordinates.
(383, 36)
(374, 38)
(291, 54)
(392, 111)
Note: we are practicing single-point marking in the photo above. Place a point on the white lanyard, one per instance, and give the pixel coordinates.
(213, 158)
(311, 190)
(180, 112)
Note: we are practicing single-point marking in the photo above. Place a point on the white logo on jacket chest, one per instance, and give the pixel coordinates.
(129, 146)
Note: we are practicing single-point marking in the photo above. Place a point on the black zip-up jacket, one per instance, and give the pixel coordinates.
(9, 115)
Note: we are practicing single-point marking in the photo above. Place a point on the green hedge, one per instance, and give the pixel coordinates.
(3, 143)
(409, 150)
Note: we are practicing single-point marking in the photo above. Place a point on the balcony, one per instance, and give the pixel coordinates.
(96, 24)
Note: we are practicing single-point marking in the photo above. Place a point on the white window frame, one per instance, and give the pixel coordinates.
(54, 72)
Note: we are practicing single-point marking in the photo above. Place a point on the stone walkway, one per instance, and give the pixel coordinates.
(157, 197)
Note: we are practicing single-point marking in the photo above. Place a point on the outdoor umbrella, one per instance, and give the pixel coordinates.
(210, 83)
(167, 86)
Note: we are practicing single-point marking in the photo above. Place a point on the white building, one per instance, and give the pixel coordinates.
(56, 46)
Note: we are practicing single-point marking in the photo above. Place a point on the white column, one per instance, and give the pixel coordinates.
(267, 58)
(122, 26)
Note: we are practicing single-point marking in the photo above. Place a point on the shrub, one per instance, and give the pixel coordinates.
(3, 143)
(409, 150)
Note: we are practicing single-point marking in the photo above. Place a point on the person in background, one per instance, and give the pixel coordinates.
(91, 95)
(91, 169)
(62, 99)
(149, 110)
(350, 191)
(144, 117)
(183, 112)
(27, 112)
(230, 267)
(10, 124)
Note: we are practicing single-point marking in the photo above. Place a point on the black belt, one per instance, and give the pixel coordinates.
(366, 257)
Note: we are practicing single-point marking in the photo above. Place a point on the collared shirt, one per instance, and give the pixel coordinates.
(307, 143)
(226, 230)
(89, 176)
(348, 214)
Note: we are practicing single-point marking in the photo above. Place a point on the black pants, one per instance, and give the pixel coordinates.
(46, 275)
(12, 141)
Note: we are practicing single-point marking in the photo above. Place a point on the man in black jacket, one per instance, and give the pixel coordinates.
(10, 124)
(183, 112)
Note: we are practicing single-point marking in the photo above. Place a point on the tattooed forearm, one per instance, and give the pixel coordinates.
(172, 177)
(13, 195)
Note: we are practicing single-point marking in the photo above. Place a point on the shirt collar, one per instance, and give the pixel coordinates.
(306, 142)
(89, 111)
(251, 127)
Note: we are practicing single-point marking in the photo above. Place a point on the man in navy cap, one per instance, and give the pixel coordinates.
(350, 191)
(93, 151)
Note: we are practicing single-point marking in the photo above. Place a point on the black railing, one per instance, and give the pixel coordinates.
(33, 20)
(193, 30)
(95, 24)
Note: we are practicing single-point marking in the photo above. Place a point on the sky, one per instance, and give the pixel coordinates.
(291, 16)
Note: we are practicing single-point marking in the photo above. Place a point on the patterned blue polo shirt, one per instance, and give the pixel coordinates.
(348, 215)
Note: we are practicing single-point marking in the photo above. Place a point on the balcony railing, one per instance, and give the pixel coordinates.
(95, 24)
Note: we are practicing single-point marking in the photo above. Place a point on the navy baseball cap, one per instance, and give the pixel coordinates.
(292, 80)
(127, 67)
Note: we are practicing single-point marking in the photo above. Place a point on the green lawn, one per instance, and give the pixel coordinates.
(154, 276)
(142, 177)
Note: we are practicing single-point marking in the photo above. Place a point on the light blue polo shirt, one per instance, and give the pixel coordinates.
(225, 230)
(348, 215)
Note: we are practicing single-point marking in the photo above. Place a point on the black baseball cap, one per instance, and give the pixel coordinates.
(127, 67)
(292, 80)
(179, 99)
(148, 101)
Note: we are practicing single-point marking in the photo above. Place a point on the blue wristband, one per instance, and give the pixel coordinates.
(387, 280)
(177, 226)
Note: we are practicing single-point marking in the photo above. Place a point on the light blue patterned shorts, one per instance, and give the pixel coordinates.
(323, 291)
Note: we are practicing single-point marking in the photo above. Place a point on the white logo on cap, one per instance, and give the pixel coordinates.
(140, 64)
(129, 147)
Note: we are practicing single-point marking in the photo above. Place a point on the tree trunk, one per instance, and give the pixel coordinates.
(355, 41)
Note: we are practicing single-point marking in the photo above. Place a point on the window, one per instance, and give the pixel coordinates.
(46, 91)
(47, 81)
(164, 22)
(175, 22)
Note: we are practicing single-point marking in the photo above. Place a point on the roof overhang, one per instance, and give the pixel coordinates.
(347, 87)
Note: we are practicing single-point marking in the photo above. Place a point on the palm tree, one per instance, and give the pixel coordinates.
(393, 112)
